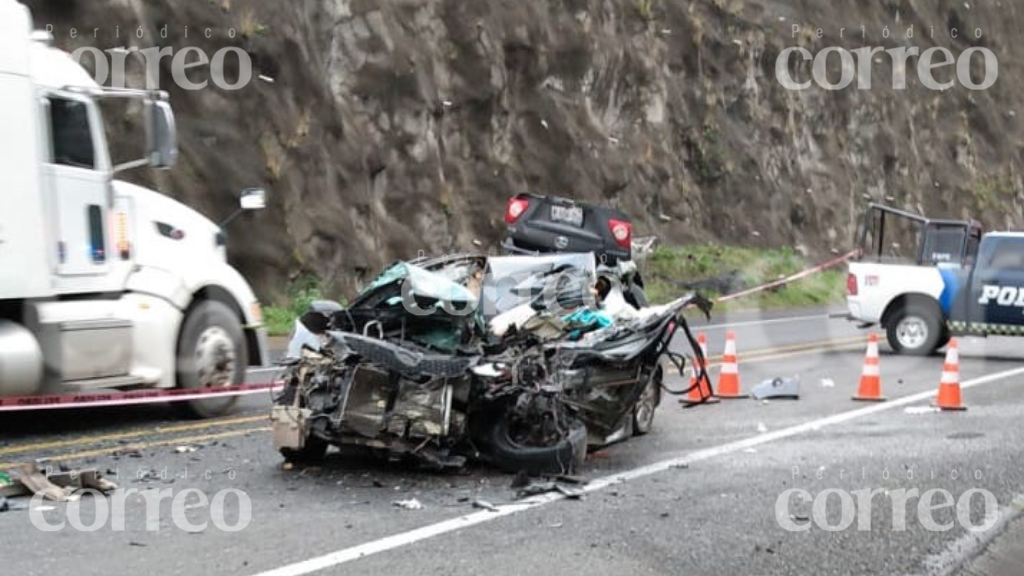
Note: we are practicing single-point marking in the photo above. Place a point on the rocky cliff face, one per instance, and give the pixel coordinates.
(393, 126)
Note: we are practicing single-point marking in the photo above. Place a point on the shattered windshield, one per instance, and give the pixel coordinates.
(554, 281)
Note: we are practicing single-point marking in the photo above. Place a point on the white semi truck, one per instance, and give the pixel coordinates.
(105, 285)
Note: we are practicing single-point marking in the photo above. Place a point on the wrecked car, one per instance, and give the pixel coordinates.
(518, 361)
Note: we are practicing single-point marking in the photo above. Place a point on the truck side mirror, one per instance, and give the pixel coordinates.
(162, 134)
(253, 199)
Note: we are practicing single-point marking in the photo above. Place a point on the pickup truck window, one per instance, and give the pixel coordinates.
(973, 241)
(943, 244)
(71, 138)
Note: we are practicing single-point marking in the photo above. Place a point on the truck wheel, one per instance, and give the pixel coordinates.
(211, 354)
(945, 338)
(915, 330)
(643, 412)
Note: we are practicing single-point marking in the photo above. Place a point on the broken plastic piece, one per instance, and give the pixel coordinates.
(783, 387)
(485, 505)
(410, 504)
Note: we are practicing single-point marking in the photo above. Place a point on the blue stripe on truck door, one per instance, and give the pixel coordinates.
(951, 282)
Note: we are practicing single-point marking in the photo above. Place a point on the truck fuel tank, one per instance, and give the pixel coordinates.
(21, 360)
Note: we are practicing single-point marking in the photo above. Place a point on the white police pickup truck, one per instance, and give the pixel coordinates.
(935, 278)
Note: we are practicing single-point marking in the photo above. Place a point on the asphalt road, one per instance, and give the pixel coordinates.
(699, 495)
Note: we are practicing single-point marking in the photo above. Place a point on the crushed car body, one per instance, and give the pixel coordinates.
(520, 361)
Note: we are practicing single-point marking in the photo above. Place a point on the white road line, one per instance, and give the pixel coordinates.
(968, 546)
(412, 536)
(787, 320)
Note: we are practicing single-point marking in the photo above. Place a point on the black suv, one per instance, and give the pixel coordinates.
(552, 224)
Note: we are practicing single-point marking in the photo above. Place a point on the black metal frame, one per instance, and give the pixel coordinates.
(970, 227)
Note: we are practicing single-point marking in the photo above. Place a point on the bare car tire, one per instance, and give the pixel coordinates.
(211, 353)
(565, 457)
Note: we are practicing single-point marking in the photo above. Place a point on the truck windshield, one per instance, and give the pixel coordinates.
(72, 139)
(1008, 256)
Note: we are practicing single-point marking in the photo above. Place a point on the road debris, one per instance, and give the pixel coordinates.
(828, 383)
(538, 488)
(185, 449)
(36, 482)
(917, 410)
(761, 428)
(7, 485)
(781, 387)
(521, 480)
(79, 479)
(131, 451)
(484, 505)
(410, 504)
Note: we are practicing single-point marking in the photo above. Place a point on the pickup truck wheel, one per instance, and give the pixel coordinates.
(945, 338)
(211, 354)
(915, 330)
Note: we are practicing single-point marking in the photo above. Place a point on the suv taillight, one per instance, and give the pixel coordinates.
(516, 208)
(622, 231)
(851, 284)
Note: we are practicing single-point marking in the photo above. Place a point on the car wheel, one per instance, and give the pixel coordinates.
(312, 451)
(915, 330)
(643, 412)
(211, 354)
(565, 457)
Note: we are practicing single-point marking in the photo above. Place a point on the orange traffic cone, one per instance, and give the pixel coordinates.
(729, 377)
(700, 392)
(949, 385)
(871, 376)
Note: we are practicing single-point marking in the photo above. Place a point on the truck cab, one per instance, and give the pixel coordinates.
(107, 285)
(988, 297)
(924, 280)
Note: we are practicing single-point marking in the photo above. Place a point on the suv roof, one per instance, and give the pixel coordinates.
(543, 224)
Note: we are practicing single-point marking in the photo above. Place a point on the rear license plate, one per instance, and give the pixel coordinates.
(568, 214)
